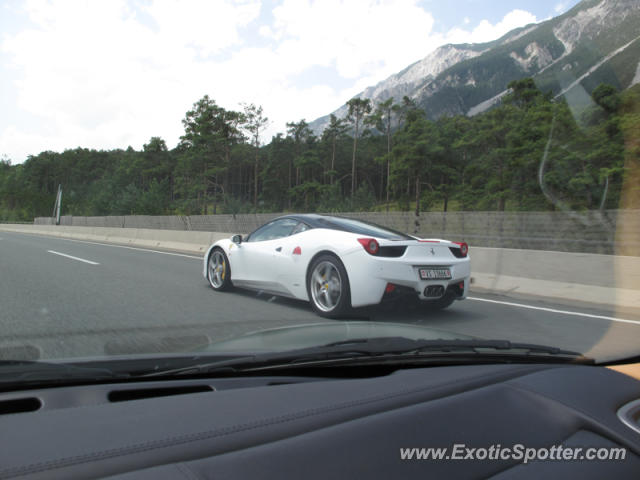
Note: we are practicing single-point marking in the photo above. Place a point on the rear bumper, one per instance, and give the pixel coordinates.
(400, 293)
(369, 276)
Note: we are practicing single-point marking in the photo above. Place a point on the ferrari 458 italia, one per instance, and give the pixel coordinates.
(337, 263)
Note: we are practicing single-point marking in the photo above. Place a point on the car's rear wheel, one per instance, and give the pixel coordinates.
(328, 287)
(218, 270)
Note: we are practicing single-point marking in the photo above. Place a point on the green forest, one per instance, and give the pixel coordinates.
(530, 152)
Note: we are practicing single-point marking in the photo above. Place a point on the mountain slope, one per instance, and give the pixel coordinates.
(596, 41)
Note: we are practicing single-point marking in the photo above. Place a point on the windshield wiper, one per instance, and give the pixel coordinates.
(384, 350)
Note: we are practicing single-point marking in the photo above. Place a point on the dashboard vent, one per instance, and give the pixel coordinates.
(142, 393)
(20, 405)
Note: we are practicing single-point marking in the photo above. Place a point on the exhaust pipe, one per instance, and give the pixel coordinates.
(434, 291)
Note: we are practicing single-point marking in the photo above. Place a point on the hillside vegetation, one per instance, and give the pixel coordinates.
(529, 153)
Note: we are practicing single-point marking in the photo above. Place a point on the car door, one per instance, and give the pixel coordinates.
(289, 267)
(254, 261)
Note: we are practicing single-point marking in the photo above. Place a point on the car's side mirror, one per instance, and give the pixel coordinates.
(237, 239)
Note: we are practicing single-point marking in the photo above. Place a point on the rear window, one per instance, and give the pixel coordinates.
(362, 228)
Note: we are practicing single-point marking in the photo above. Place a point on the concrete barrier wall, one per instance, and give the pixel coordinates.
(607, 231)
(566, 277)
(611, 280)
(582, 268)
(181, 241)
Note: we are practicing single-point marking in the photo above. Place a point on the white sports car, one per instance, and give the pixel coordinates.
(337, 263)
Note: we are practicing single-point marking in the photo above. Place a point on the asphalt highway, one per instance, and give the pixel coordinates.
(71, 298)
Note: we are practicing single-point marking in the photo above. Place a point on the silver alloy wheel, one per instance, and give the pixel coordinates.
(217, 269)
(326, 286)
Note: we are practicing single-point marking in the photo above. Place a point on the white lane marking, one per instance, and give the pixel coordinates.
(132, 248)
(118, 246)
(73, 258)
(553, 310)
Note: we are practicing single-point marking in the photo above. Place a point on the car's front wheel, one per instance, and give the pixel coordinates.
(218, 270)
(328, 287)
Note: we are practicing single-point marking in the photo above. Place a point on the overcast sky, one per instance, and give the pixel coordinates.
(112, 73)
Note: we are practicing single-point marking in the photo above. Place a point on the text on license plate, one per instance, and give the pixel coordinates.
(435, 273)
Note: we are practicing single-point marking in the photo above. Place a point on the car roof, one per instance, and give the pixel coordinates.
(335, 222)
(312, 219)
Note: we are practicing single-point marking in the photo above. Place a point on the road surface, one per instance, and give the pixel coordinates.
(71, 298)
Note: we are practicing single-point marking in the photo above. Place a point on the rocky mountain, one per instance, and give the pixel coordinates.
(569, 55)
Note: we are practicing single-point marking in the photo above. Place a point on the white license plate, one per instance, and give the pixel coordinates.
(435, 273)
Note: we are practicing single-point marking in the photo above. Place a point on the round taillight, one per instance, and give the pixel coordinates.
(464, 248)
(370, 245)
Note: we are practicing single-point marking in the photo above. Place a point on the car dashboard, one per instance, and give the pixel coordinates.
(314, 427)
